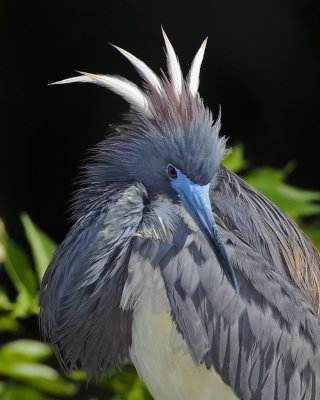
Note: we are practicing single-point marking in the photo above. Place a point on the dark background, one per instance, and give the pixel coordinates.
(262, 65)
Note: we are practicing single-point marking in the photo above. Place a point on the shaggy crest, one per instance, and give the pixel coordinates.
(158, 90)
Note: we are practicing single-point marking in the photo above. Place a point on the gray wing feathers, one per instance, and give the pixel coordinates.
(265, 340)
(259, 342)
(83, 318)
(270, 232)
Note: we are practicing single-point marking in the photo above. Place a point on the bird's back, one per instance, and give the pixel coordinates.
(269, 232)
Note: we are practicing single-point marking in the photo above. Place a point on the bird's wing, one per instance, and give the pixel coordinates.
(82, 287)
(269, 232)
(265, 340)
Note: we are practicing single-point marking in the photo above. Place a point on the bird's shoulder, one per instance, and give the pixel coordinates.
(268, 232)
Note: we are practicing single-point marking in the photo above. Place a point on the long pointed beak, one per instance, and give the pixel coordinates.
(196, 201)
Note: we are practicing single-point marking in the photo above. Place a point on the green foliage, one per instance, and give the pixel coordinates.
(125, 386)
(38, 376)
(295, 202)
(28, 368)
(21, 274)
(42, 245)
(14, 391)
(24, 350)
(235, 159)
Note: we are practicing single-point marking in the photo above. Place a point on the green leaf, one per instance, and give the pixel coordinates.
(42, 245)
(18, 268)
(5, 303)
(24, 350)
(235, 159)
(126, 385)
(8, 324)
(12, 391)
(24, 305)
(295, 202)
(39, 376)
(77, 375)
(3, 388)
(312, 230)
(138, 391)
(2, 234)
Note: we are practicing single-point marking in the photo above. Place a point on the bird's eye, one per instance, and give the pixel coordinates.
(172, 172)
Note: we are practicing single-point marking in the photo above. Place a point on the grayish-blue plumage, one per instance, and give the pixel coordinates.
(260, 331)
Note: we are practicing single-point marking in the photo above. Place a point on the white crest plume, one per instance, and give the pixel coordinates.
(174, 69)
(121, 86)
(194, 73)
(140, 100)
(142, 68)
